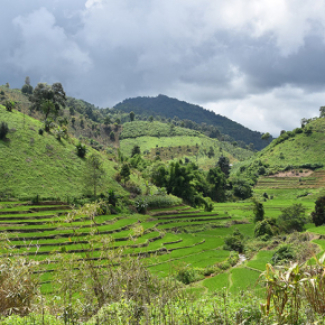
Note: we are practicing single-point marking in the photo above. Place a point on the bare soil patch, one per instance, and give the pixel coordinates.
(293, 173)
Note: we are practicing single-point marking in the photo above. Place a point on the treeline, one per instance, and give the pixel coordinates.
(169, 108)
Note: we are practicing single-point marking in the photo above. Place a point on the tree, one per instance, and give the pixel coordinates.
(4, 129)
(218, 181)
(223, 163)
(318, 215)
(211, 152)
(82, 124)
(125, 172)
(48, 99)
(241, 188)
(95, 173)
(73, 120)
(135, 151)
(266, 136)
(293, 218)
(27, 88)
(322, 111)
(150, 118)
(112, 136)
(132, 116)
(10, 105)
(27, 81)
(107, 120)
(258, 211)
(81, 150)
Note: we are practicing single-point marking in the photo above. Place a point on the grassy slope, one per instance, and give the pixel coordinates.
(183, 143)
(137, 129)
(33, 164)
(298, 150)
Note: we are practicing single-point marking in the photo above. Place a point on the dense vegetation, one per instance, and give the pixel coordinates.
(169, 225)
(169, 108)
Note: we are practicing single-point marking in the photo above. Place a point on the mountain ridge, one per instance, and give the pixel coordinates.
(167, 107)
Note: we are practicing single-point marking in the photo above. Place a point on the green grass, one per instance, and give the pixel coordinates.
(217, 282)
(243, 279)
(181, 146)
(138, 129)
(33, 164)
(260, 260)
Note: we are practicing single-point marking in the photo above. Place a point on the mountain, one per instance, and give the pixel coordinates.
(170, 107)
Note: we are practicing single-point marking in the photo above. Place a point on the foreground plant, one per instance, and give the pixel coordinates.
(18, 286)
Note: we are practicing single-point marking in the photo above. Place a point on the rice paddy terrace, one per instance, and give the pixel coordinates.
(293, 180)
(166, 239)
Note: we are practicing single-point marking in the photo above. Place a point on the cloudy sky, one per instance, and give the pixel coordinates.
(258, 62)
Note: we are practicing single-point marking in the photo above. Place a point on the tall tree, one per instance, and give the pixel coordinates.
(48, 99)
(318, 215)
(95, 173)
(218, 181)
(132, 115)
(223, 163)
(27, 88)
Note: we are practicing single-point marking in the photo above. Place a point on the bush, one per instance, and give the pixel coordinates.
(284, 253)
(266, 228)
(234, 242)
(241, 188)
(4, 129)
(81, 150)
(40, 131)
(318, 215)
(161, 200)
(258, 211)
(293, 218)
(188, 275)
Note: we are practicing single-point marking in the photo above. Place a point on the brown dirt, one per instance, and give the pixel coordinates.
(293, 173)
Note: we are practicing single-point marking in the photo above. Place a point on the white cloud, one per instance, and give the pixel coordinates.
(238, 56)
(44, 47)
(279, 109)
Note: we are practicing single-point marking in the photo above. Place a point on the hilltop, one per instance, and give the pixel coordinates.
(171, 107)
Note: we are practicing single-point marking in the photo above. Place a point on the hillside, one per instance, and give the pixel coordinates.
(297, 148)
(32, 164)
(170, 107)
(168, 142)
(299, 151)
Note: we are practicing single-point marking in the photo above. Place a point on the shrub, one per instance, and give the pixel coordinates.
(188, 275)
(10, 105)
(18, 286)
(81, 150)
(284, 253)
(141, 205)
(258, 211)
(318, 215)
(266, 228)
(4, 129)
(241, 188)
(234, 242)
(293, 218)
(40, 131)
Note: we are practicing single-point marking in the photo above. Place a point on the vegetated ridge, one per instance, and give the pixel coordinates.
(170, 107)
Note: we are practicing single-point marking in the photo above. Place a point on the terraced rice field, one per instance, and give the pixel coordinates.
(315, 180)
(165, 239)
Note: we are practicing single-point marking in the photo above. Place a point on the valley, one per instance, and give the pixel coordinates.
(137, 218)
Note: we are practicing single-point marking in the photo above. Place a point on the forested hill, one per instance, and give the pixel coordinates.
(170, 107)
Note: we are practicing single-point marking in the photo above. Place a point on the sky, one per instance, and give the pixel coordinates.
(258, 62)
